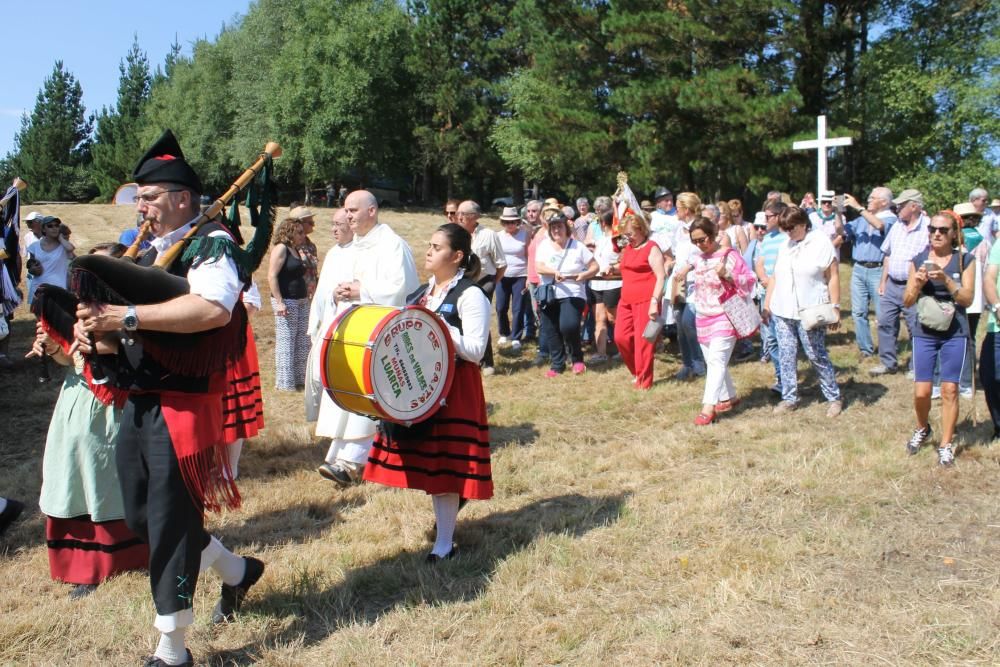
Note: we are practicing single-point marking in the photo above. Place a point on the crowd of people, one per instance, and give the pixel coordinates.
(129, 470)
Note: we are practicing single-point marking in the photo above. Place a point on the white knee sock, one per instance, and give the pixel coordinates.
(171, 649)
(234, 450)
(446, 514)
(226, 564)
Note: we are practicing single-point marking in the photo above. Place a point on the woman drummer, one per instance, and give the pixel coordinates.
(448, 455)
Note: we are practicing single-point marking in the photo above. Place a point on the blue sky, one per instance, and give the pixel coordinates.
(91, 38)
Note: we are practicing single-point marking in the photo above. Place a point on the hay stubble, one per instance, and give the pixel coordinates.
(620, 533)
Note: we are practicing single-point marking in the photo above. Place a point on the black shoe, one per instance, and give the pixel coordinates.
(153, 661)
(434, 558)
(920, 435)
(338, 474)
(81, 591)
(232, 596)
(10, 513)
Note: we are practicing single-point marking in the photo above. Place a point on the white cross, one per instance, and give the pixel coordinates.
(821, 145)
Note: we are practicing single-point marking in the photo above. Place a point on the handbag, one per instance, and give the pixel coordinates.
(653, 330)
(818, 315)
(545, 293)
(743, 316)
(935, 314)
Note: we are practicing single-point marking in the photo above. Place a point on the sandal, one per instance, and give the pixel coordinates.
(727, 405)
(704, 420)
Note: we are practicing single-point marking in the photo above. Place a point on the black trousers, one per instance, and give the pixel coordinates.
(158, 507)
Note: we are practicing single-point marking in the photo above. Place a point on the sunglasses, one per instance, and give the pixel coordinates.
(451, 214)
(150, 197)
(934, 229)
(700, 240)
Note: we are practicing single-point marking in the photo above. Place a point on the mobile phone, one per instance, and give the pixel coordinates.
(929, 266)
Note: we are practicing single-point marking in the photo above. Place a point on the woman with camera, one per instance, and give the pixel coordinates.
(803, 297)
(564, 265)
(48, 263)
(48, 257)
(941, 284)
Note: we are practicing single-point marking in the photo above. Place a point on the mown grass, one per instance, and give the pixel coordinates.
(619, 534)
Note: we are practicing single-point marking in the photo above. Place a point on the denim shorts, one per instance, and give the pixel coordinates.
(928, 351)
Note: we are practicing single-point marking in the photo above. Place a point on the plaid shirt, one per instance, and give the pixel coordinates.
(901, 245)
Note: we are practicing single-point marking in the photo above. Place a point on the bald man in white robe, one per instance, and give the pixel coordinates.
(382, 272)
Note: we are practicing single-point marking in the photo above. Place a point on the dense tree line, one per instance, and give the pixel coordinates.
(452, 98)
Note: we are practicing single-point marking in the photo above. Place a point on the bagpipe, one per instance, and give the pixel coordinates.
(102, 279)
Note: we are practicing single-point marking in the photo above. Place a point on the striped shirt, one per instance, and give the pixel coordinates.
(769, 247)
(901, 245)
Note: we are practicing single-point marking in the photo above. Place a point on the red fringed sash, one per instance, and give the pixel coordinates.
(195, 425)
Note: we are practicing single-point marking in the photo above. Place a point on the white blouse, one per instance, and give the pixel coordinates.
(799, 274)
(574, 258)
(473, 310)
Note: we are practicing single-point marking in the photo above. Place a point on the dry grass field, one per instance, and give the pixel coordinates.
(619, 533)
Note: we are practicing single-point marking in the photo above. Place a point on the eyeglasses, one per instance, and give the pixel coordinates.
(770, 215)
(700, 240)
(150, 197)
(933, 229)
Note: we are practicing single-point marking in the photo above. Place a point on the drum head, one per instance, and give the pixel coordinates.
(411, 365)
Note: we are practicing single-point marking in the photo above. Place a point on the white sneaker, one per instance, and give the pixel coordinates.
(935, 393)
(488, 371)
(965, 392)
(503, 341)
(515, 345)
(946, 454)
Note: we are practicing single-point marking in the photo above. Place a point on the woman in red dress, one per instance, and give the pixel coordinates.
(641, 267)
(448, 455)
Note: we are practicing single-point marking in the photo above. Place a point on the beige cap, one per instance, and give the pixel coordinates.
(908, 195)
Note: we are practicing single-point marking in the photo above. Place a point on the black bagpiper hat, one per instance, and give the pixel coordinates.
(662, 192)
(164, 163)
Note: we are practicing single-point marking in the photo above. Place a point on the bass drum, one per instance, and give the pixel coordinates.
(388, 363)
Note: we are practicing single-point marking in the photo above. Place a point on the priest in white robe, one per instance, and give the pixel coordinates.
(377, 267)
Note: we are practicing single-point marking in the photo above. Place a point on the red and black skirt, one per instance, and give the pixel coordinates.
(242, 402)
(84, 552)
(448, 453)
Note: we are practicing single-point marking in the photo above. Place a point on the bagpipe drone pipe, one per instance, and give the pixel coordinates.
(101, 279)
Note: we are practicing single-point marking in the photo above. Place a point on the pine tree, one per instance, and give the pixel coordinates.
(116, 140)
(52, 148)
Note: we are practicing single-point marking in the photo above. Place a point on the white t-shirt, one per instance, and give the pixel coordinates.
(515, 250)
(575, 258)
(799, 274)
(55, 265)
(605, 255)
(829, 227)
(662, 222)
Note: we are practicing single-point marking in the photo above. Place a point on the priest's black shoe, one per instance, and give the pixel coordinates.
(153, 661)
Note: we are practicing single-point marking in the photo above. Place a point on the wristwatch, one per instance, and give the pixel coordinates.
(131, 320)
